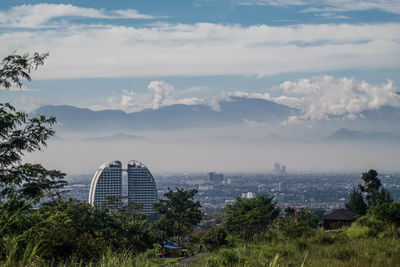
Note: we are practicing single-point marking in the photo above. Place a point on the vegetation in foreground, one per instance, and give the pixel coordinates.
(320, 249)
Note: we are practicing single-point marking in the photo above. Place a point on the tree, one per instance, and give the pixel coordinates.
(14, 67)
(20, 135)
(215, 237)
(308, 216)
(248, 217)
(373, 188)
(297, 223)
(180, 213)
(356, 202)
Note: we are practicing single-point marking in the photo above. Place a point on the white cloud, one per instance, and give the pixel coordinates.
(270, 2)
(33, 16)
(128, 101)
(162, 92)
(332, 15)
(391, 6)
(265, 96)
(19, 89)
(324, 97)
(163, 97)
(207, 49)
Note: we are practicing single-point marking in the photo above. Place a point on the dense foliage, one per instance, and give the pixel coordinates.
(370, 194)
(179, 214)
(249, 217)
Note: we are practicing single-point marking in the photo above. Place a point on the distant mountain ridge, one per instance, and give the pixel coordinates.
(179, 116)
(115, 137)
(349, 135)
(176, 116)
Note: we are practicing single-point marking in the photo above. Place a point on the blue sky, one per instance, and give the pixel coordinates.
(106, 54)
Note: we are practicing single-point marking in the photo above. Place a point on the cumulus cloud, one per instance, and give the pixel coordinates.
(32, 16)
(127, 100)
(163, 97)
(162, 92)
(324, 97)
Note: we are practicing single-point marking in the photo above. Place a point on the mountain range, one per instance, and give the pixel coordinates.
(176, 116)
(237, 110)
(345, 135)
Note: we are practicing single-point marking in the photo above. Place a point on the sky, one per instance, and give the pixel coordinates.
(328, 58)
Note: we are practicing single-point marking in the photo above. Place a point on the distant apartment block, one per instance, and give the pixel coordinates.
(141, 186)
(278, 169)
(106, 185)
(216, 178)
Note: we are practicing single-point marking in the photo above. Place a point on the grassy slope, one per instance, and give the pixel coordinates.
(324, 249)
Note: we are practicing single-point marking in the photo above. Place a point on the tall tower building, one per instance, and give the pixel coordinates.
(107, 183)
(141, 186)
(277, 167)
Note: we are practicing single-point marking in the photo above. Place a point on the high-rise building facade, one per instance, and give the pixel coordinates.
(107, 183)
(141, 186)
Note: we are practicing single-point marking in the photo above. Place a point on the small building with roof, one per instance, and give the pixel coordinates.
(338, 218)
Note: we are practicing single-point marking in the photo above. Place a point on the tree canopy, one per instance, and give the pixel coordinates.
(375, 192)
(180, 213)
(247, 217)
(356, 202)
(15, 68)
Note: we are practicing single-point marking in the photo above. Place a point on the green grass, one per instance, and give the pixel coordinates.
(323, 249)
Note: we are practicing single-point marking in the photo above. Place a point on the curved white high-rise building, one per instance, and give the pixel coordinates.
(106, 183)
(141, 186)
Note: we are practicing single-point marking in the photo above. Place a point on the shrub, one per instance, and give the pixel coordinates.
(366, 226)
(229, 257)
(292, 229)
(215, 237)
(323, 238)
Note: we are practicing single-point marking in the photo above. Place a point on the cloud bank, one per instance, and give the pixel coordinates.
(207, 49)
(390, 6)
(318, 98)
(39, 15)
(325, 97)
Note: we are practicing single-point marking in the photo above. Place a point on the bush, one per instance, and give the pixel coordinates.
(215, 237)
(272, 235)
(323, 238)
(366, 226)
(293, 230)
(229, 257)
